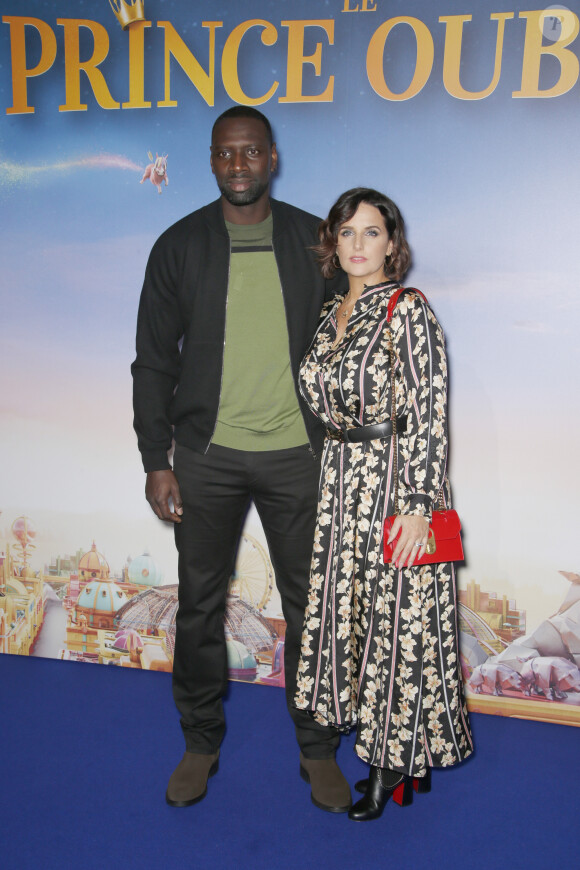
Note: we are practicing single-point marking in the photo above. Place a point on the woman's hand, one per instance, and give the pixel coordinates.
(412, 541)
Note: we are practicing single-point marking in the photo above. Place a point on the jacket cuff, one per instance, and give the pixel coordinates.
(155, 460)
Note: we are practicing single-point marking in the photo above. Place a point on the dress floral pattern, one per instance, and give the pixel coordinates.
(380, 645)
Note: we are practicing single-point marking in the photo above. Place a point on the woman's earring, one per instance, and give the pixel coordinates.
(336, 261)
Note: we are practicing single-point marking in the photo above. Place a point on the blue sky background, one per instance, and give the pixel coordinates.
(489, 190)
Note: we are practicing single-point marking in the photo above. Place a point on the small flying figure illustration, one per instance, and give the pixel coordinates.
(156, 170)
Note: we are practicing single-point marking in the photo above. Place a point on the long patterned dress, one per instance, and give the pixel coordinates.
(380, 645)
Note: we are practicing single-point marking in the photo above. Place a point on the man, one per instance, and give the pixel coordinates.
(231, 299)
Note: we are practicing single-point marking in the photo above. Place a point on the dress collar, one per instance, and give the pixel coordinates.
(373, 288)
(369, 290)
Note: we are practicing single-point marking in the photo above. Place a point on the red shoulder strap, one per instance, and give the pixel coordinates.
(396, 296)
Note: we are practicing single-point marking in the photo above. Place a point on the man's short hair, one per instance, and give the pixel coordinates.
(244, 112)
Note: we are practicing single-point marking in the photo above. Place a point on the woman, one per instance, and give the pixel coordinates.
(380, 647)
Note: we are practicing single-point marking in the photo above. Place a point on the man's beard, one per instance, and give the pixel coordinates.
(244, 197)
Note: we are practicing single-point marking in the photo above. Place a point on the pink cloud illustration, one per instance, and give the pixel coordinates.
(20, 173)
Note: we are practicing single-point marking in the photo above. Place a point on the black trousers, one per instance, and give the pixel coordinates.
(216, 489)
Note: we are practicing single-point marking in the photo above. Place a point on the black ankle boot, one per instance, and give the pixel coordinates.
(371, 806)
(421, 784)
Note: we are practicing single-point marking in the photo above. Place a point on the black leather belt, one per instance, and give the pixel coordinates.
(368, 433)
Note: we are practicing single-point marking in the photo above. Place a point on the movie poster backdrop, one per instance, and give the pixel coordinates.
(466, 114)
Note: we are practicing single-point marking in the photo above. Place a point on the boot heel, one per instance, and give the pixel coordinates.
(403, 794)
(422, 784)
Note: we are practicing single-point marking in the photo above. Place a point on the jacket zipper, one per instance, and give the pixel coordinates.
(223, 351)
(297, 389)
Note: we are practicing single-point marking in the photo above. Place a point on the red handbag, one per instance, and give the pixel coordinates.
(444, 542)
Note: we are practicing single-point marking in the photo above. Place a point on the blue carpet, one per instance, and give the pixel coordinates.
(87, 750)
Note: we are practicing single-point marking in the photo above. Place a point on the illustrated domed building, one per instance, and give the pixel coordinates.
(243, 623)
(144, 571)
(241, 662)
(99, 601)
(93, 565)
(151, 612)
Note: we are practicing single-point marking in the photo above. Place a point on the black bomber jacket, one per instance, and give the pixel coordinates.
(177, 372)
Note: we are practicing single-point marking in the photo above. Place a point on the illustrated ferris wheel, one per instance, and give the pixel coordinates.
(253, 578)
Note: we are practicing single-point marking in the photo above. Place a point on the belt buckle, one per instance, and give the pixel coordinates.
(334, 434)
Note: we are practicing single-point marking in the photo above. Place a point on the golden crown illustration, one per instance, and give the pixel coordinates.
(128, 11)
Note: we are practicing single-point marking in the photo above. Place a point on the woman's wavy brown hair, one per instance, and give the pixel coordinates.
(342, 211)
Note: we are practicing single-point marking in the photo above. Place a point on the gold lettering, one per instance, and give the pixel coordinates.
(297, 59)
(176, 47)
(452, 56)
(423, 63)
(367, 6)
(230, 76)
(73, 65)
(137, 66)
(534, 49)
(20, 72)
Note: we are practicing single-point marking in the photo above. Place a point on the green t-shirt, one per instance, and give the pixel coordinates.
(258, 403)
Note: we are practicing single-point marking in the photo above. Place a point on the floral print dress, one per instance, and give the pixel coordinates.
(380, 645)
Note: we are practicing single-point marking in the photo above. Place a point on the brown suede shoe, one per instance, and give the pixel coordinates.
(329, 788)
(188, 782)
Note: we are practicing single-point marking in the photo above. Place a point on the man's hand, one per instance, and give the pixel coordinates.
(162, 493)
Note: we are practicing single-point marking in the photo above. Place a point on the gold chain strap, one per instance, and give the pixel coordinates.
(394, 424)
